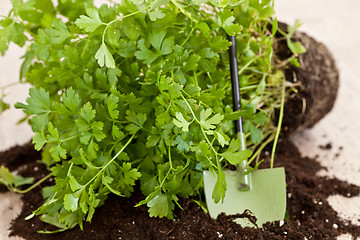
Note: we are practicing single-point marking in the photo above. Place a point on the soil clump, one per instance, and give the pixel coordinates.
(316, 81)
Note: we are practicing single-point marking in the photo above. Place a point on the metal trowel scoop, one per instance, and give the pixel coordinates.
(263, 192)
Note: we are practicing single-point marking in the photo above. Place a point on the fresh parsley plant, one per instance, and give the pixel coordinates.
(139, 92)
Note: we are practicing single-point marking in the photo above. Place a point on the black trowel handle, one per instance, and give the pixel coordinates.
(244, 181)
(236, 89)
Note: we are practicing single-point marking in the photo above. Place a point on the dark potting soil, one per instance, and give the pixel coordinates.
(310, 214)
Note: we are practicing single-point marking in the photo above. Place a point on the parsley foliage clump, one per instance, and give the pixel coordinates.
(139, 93)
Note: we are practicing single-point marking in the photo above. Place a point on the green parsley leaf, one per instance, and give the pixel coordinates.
(181, 122)
(146, 54)
(3, 105)
(91, 23)
(74, 185)
(116, 132)
(57, 152)
(204, 28)
(136, 120)
(71, 202)
(87, 113)
(93, 148)
(104, 57)
(58, 33)
(38, 105)
(71, 100)
(53, 133)
(128, 176)
(233, 155)
(12, 181)
(233, 29)
(182, 145)
(167, 46)
(112, 104)
(17, 35)
(156, 15)
(45, 6)
(20, 181)
(152, 140)
(97, 130)
(107, 180)
(296, 47)
(227, 22)
(39, 140)
(84, 198)
(160, 206)
(38, 102)
(219, 188)
(256, 134)
(6, 176)
(209, 123)
(132, 28)
(192, 63)
(54, 220)
(204, 148)
(222, 138)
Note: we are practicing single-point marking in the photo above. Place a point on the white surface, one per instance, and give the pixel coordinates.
(332, 22)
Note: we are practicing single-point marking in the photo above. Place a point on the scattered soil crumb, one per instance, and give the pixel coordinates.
(327, 146)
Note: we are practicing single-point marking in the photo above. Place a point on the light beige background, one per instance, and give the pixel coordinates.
(332, 22)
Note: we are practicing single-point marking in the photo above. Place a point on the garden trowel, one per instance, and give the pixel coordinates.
(263, 192)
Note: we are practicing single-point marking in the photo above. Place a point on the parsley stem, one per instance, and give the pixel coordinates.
(170, 169)
(208, 141)
(263, 145)
(281, 114)
(69, 171)
(10, 85)
(163, 181)
(207, 157)
(69, 138)
(34, 185)
(188, 37)
(170, 161)
(192, 112)
(247, 64)
(113, 159)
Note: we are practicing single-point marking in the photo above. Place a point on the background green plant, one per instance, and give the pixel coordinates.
(141, 92)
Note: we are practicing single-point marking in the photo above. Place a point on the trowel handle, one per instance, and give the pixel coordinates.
(236, 90)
